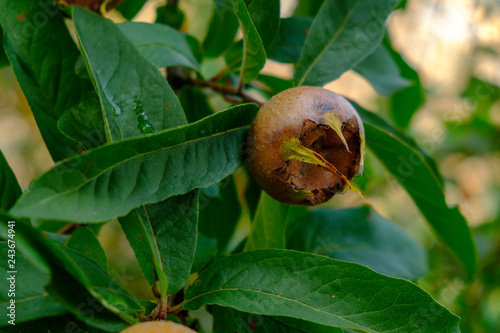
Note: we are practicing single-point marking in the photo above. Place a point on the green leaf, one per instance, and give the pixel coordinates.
(130, 8)
(254, 54)
(342, 34)
(275, 84)
(220, 211)
(59, 324)
(77, 281)
(83, 305)
(269, 225)
(43, 57)
(222, 29)
(231, 320)
(382, 71)
(404, 103)
(308, 8)
(195, 104)
(110, 180)
(292, 35)
(162, 45)
(318, 289)
(10, 190)
(4, 61)
(32, 301)
(418, 175)
(206, 249)
(83, 122)
(85, 241)
(163, 237)
(360, 235)
(265, 16)
(171, 15)
(135, 97)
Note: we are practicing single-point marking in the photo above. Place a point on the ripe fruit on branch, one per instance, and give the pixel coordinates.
(158, 327)
(305, 145)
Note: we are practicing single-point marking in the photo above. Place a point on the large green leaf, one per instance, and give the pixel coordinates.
(222, 29)
(318, 289)
(110, 180)
(10, 190)
(292, 35)
(85, 241)
(130, 8)
(343, 33)
(382, 71)
(32, 301)
(77, 281)
(134, 96)
(360, 235)
(404, 103)
(83, 122)
(254, 54)
(220, 211)
(231, 320)
(308, 8)
(417, 173)
(163, 237)
(269, 225)
(4, 61)
(265, 16)
(162, 45)
(206, 249)
(43, 57)
(65, 323)
(195, 104)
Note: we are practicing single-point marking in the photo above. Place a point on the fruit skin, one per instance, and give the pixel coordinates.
(158, 327)
(305, 113)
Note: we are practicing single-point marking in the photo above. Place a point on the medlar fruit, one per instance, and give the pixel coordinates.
(158, 327)
(305, 145)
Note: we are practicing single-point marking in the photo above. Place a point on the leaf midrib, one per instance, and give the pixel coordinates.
(327, 45)
(284, 298)
(88, 180)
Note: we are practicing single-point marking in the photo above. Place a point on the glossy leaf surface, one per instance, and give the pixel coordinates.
(254, 54)
(9, 187)
(43, 57)
(162, 45)
(417, 173)
(319, 289)
(163, 237)
(346, 31)
(134, 96)
(111, 180)
(360, 235)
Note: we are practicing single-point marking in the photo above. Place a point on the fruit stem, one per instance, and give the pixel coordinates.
(292, 148)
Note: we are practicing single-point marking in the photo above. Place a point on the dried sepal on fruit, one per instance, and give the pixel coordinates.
(305, 145)
(158, 327)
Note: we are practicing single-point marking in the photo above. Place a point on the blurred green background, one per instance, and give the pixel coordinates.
(455, 47)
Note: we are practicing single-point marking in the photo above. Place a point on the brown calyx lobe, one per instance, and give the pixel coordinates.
(322, 139)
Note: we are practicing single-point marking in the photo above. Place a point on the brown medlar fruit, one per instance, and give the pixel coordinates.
(305, 145)
(158, 327)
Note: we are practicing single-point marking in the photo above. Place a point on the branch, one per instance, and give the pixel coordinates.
(227, 90)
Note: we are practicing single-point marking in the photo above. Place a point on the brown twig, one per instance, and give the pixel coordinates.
(227, 90)
(67, 229)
